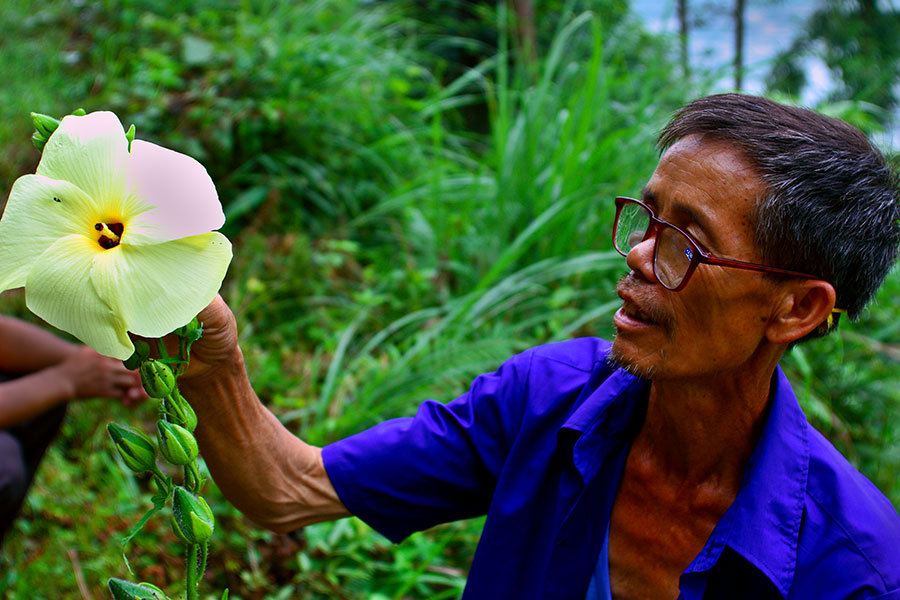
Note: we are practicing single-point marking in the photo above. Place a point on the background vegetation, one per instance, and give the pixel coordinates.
(412, 198)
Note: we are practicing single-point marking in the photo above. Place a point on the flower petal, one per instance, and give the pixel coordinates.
(158, 288)
(39, 212)
(59, 290)
(172, 196)
(91, 152)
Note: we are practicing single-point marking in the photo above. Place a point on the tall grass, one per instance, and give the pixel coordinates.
(386, 253)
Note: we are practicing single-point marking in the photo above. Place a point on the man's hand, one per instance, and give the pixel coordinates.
(216, 348)
(218, 345)
(91, 375)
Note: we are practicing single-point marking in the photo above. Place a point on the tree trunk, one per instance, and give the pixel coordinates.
(525, 28)
(683, 37)
(738, 44)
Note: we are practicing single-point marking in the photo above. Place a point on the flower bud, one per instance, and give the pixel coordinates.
(192, 331)
(158, 379)
(181, 412)
(39, 141)
(134, 447)
(129, 135)
(177, 444)
(192, 520)
(44, 124)
(141, 352)
(125, 590)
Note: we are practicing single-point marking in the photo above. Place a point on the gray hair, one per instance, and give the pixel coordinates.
(832, 201)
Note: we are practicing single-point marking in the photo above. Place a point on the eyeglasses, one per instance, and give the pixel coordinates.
(675, 253)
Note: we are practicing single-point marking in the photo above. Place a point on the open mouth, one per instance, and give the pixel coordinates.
(635, 313)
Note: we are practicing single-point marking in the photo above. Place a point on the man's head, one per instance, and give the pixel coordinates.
(753, 181)
(831, 204)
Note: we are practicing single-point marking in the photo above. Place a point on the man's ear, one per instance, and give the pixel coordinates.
(806, 304)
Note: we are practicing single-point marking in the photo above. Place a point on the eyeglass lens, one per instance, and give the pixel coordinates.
(673, 251)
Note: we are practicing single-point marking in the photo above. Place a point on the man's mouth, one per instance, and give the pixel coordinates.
(635, 313)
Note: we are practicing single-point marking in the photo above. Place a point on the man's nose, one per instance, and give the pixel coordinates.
(640, 258)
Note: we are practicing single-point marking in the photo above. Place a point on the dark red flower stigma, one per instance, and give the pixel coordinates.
(107, 241)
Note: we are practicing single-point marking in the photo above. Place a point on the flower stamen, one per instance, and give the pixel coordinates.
(110, 234)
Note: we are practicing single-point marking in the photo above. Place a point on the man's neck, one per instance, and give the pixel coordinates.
(703, 431)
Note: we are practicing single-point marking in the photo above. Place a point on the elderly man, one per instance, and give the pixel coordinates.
(674, 462)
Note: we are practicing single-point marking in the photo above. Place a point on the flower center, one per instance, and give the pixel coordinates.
(110, 233)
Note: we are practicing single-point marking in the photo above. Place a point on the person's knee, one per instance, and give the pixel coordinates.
(13, 474)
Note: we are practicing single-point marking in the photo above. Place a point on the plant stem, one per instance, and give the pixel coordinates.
(161, 347)
(191, 590)
(204, 553)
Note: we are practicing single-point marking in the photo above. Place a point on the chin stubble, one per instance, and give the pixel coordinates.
(617, 360)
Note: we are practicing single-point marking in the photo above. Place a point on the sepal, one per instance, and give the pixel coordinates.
(125, 590)
(135, 448)
(192, 519)
(176, 444)
(157, 378)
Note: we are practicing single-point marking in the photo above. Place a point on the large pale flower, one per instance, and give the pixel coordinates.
(107, 240)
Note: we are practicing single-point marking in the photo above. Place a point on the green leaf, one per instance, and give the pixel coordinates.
(159, 502)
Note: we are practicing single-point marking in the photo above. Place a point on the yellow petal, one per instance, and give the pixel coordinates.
(171, 196)
(92, 153)
(59, 290)
(158, 288)
(39, 212)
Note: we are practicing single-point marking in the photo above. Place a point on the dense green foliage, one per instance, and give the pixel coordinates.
(409, 205)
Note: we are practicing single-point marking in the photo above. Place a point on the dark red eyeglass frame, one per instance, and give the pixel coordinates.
(700, 255)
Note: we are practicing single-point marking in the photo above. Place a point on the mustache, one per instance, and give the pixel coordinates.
(638, 292)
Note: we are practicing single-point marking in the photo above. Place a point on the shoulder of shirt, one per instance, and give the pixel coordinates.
(582, 354)
(852, 515)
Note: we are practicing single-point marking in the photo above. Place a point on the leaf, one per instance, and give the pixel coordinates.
(245, 202)
(159, 502)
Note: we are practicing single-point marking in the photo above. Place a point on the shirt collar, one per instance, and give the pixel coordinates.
(610, 414)
(763, 523)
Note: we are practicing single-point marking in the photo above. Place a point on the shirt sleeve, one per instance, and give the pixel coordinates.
(442, 464)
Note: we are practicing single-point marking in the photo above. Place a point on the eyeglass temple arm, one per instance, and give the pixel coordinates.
(737, 264)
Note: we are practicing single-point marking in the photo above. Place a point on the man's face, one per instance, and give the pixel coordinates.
(717, 322)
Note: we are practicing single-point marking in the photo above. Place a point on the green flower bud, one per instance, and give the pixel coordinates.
(192, 520)
(39, 141)
(192, 331)
(141, 353)
(176, 443)
(79, 112)
(44, 124)
(135, 448)
(125, 590)
(129, 135)
(181, 412)
(158, 379)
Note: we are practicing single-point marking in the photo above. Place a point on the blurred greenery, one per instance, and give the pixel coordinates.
(411, 200)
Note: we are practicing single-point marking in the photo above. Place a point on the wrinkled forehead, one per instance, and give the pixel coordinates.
(710, 183)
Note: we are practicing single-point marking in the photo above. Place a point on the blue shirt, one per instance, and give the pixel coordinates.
(539, 446)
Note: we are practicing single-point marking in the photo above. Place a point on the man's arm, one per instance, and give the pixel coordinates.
(55, 371)
(26, 348)
(269, 474)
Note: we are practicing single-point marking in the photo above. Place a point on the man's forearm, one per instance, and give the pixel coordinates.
(269, 474)
(31, 395)
(25, 348)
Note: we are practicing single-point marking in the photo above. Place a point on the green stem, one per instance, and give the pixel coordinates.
(190, 479)
(204, 552)
(160, 479)
(191, 590)
(161, 346)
